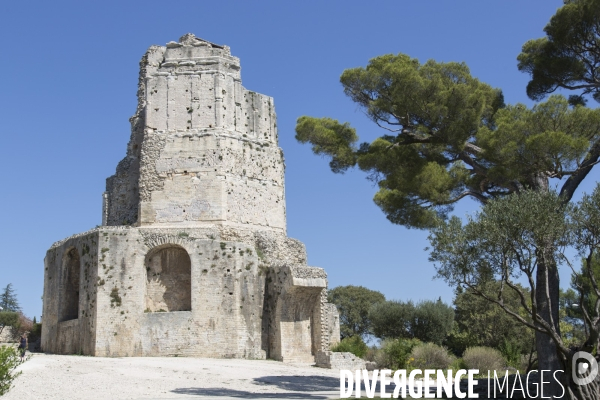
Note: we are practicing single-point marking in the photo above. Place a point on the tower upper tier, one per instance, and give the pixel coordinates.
(203, 149)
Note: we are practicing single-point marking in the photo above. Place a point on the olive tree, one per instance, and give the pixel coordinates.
(508, 241)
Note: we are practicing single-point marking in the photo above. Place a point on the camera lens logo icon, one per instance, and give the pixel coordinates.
(584, 372)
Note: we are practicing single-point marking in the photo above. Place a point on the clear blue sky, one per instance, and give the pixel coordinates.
(69, 78)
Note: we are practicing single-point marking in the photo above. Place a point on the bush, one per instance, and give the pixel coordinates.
(459, 340)
(528, 362)
(9, 360)
(512, 353)
(352, 344)
(394, 353)
(372, 354)
(484, 359)
(457, 364)
(35, 333)
(430, 356)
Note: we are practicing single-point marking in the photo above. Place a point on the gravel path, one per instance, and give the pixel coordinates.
(76, 377)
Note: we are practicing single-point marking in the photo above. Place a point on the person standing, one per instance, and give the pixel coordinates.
(23, 346)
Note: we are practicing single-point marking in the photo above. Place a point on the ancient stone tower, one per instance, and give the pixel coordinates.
(192, 257)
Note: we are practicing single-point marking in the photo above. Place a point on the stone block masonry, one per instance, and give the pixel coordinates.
(192, 258)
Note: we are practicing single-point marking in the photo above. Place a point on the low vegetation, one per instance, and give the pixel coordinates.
(9, 360)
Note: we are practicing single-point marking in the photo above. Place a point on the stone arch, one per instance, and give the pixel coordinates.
(168, 279)
(69, 294)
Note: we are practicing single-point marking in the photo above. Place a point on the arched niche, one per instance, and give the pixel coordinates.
(168, 279)
(69, 293)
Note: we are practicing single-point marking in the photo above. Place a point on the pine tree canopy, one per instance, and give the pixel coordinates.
(569, 56)
(449, 136)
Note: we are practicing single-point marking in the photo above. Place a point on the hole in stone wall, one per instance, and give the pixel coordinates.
(69, 295)
(168, 283)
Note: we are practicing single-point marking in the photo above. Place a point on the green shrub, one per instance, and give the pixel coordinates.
(35, 333)
(9, 360)
(459, 340)
(528, 362)
(372, 353)
(512, 353)
(394, 353)
(457, 364)
(352, 344)
(484, 359)
(430, 356)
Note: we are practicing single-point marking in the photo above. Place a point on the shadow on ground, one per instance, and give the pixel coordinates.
(299, 383)
(296, 387)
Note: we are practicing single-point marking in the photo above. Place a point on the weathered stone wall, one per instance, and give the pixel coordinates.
(294, 312)
(7, 335)
(330, 324)
(229, 287)
(122, 196)
(203, 148)
(61, 333)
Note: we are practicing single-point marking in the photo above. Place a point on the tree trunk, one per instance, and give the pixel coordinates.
(547, 351)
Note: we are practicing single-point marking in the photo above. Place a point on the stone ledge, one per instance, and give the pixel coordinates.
(339, 360)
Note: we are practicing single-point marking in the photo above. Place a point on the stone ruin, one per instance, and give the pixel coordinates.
(192, 258)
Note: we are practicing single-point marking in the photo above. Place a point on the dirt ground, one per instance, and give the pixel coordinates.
(79, 377)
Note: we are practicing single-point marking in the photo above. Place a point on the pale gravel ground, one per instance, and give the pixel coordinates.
(57, 377)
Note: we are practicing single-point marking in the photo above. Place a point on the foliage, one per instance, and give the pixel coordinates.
(429, 321)
(581, 294)
(458, 340)
(395, 353)
(484, 359)
(430, 356)
(502, 242)
(353, 344)
(509, 239)
(450, 136)
(9, 319)
(391, 319)
(25, 325)
(8, 299)
(432, 321)
(569, 56)
(572, 326)
(585, 224)
(458, 363)
(353, 304)
(528, 363)
(511, 351)
(35, 333)
(480, 323)
(9, 360)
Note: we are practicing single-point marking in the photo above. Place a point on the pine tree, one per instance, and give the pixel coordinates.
(8, 299)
